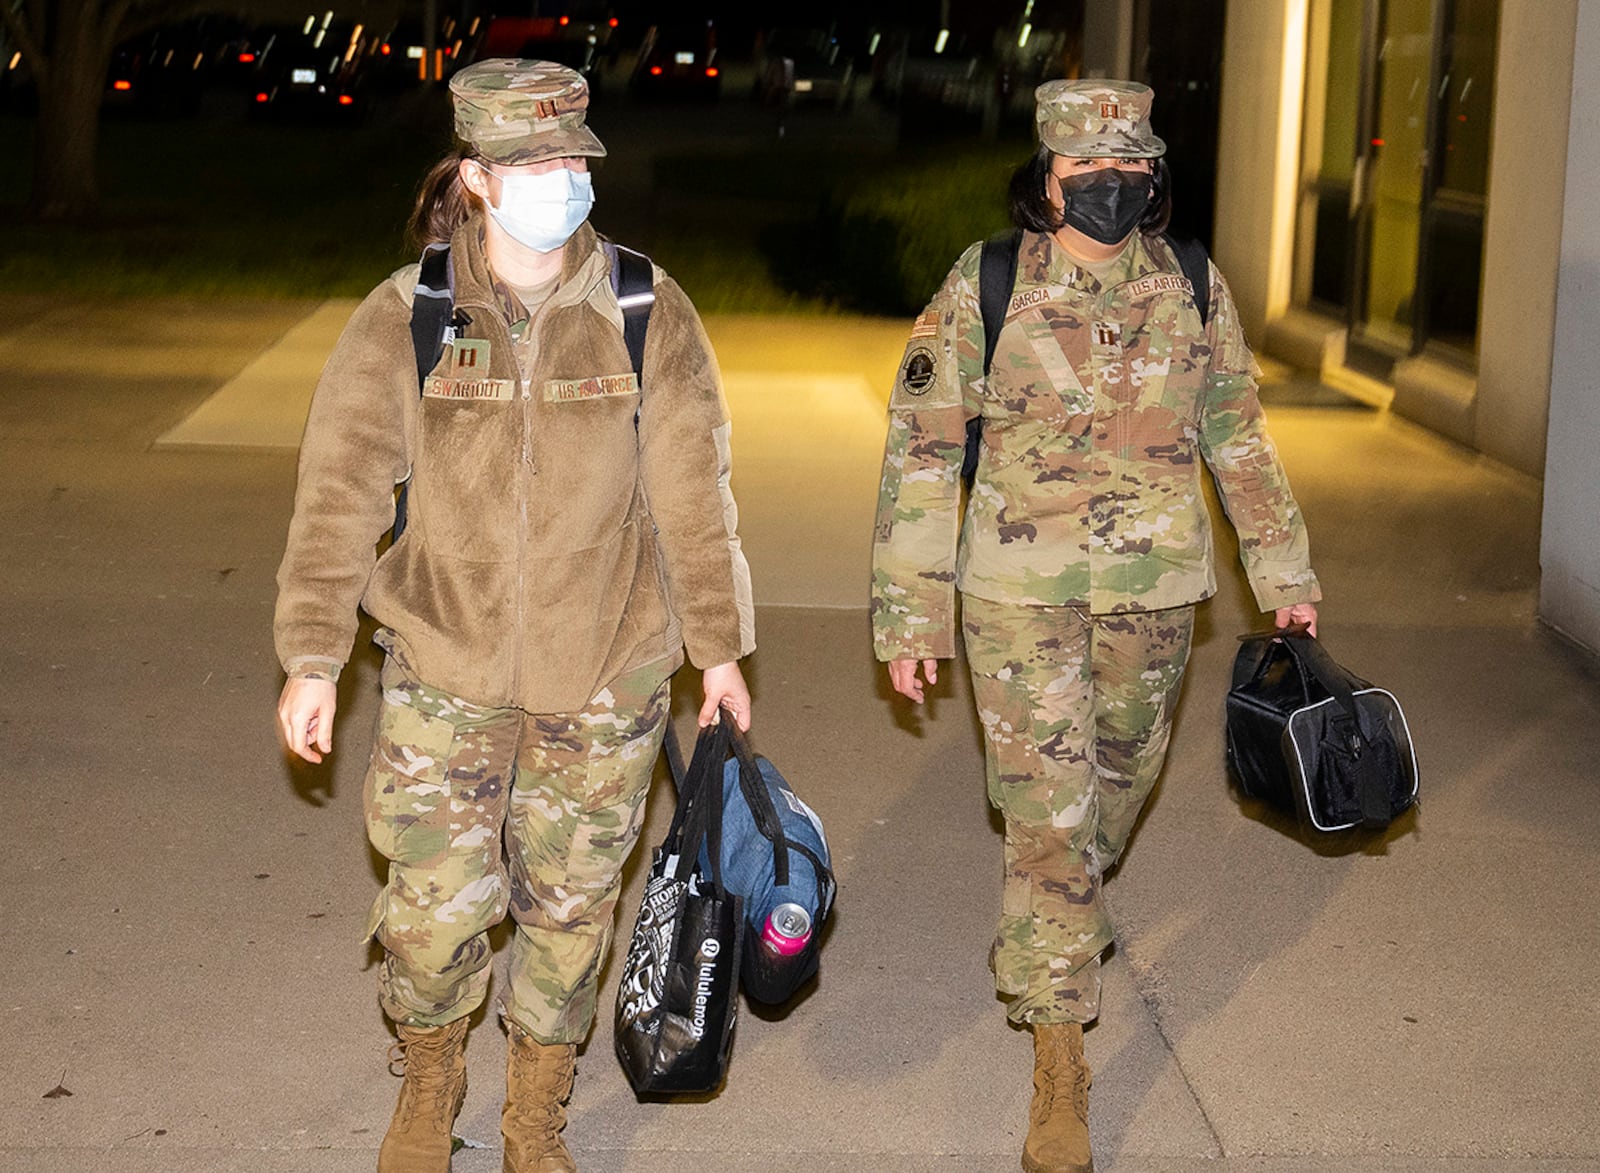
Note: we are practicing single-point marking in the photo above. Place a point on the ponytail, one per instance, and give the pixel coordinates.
(443, 202)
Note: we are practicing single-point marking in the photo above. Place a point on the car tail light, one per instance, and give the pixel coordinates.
(123, 86)
(346, 100)
(564, 21)
(262, 96)
(612, 22)
(246, 58)
(655, 71)
(712, 71)
(384, 49)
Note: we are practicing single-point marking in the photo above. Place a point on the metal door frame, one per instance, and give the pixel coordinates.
(1361, 352)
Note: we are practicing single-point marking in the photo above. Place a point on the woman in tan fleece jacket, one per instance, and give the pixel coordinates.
(571, 535)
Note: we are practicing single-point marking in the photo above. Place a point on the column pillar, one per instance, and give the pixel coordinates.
(1569, 591)
(1108, 39)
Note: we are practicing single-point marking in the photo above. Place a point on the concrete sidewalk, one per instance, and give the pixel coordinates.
(181, 913)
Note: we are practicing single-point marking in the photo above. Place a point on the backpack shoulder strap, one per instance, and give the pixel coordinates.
(1196, 266)
(997, 277)
(431, 308)
(633, 281)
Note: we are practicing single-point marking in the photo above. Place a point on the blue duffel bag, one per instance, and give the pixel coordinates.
(774, 856)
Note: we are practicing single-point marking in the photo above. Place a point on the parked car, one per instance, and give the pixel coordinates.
(162, 73)
(940, 84)
(679, 61)
(583, 45)
(799, 67)
(310, 73)
(397, 58)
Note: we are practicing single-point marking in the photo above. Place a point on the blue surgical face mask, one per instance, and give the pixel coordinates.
(543, 211)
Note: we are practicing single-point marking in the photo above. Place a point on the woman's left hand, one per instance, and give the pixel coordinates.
(725, 689)
(1299, 613)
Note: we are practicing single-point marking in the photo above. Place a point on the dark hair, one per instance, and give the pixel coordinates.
(1031, 209)
(443, 201)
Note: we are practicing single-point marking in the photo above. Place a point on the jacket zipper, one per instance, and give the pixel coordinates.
(497, 324)
(525, 476)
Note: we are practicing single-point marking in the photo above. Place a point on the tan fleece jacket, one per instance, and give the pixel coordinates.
(551, 542)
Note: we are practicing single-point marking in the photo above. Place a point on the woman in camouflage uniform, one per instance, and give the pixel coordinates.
(1085, 543)
(570, 535)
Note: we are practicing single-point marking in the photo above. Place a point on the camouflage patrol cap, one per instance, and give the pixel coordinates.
(1097, 119)
(517, 111)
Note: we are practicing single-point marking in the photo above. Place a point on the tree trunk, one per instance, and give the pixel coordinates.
(65, 184)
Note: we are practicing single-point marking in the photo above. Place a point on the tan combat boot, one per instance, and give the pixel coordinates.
(538, 1082)
(1058, 1119)
(435, 1058)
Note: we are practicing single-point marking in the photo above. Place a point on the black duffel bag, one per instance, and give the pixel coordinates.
(1311, 739)
(679, 995)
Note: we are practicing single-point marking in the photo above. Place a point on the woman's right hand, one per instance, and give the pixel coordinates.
(305, 716)
(903, 677)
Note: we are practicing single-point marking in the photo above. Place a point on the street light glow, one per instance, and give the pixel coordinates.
(1027, 30)
(944, 38)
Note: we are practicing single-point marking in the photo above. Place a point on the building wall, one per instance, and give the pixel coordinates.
(1522, 232)
(1263, 80)
(1570, 542)
(1108, 39)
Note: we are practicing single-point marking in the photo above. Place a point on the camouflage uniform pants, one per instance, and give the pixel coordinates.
(480, 810)
(1076, 712)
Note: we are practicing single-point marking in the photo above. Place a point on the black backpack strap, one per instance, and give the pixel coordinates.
(997, 277)
(633, 281)
(432, 306)
(1196, 266)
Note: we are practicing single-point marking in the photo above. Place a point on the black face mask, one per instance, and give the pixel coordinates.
(1107, 205)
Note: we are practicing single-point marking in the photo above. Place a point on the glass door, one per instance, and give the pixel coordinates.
(1399, 98)
(1450, 265)
(1390, 177)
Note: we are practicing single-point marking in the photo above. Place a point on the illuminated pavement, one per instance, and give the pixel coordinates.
(180, 915)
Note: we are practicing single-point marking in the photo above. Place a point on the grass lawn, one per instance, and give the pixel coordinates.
(218, 205)
(212, 206)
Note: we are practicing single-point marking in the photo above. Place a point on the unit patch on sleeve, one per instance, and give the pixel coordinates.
(917, 374)
(595, 387)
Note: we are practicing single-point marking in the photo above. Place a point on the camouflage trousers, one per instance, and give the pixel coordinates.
(1076, 712)
(483, 810)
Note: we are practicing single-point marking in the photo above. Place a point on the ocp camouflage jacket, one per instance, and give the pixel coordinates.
(1088, 492)
(553, 542)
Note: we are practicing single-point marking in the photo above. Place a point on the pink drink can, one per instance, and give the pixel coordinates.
(787, 930)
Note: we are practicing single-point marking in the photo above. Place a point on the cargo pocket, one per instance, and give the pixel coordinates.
(1011, 956)
(408, 782)
(1011, 756)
